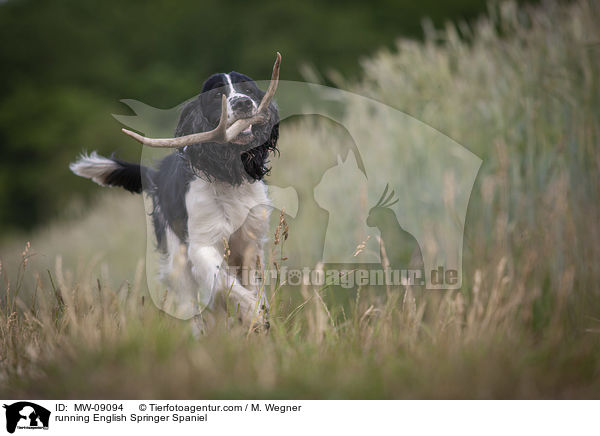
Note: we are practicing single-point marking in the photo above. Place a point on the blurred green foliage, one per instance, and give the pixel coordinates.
(66, 63)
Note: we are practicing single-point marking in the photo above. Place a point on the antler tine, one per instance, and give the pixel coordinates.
(272, 85)
(221, 133)
(218, 134)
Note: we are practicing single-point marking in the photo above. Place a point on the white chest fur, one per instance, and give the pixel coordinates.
(216, 210)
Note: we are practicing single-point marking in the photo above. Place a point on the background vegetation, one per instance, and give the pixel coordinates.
(67, 63)
(522, 92)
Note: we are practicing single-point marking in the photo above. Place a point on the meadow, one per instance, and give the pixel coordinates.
(520, 88)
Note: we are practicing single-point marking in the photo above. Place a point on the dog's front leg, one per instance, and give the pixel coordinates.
(247, 255)
(212, 276)
(244, 304)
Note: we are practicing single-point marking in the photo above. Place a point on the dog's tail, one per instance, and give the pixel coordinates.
(110, 171)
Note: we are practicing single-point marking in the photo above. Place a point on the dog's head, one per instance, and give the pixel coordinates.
(243, 158)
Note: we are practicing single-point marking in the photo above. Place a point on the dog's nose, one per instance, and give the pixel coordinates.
(241, 104)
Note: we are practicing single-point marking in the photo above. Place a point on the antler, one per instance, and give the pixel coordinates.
(221, 133)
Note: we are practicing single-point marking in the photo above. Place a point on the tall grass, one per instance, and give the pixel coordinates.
(520, 89)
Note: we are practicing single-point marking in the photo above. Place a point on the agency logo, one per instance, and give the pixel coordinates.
(26, 415)
(364, 187)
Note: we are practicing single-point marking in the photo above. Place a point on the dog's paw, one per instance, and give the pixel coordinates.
(259, 322)
(265, 325)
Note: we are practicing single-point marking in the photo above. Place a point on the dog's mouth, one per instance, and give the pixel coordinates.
(244, 137)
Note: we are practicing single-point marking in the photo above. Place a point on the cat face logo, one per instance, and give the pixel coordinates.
(26, 415)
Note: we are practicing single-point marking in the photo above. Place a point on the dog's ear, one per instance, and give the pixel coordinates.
(271, 143)
(255, 160)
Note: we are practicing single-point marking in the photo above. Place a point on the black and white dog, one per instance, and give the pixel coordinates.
(210, 202)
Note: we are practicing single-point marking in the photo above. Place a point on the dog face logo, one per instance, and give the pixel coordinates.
(26, 415)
